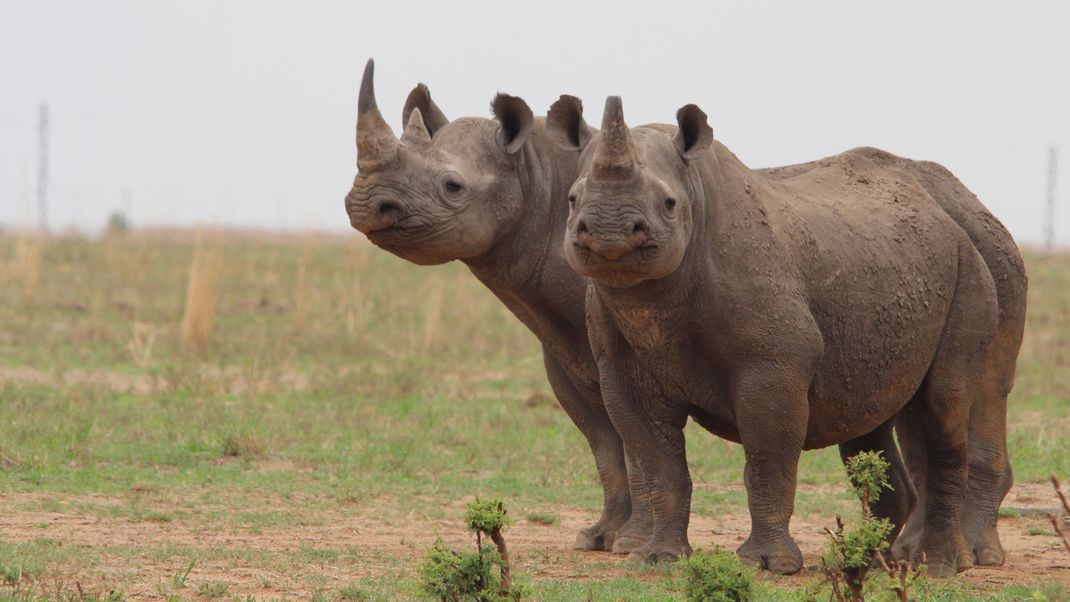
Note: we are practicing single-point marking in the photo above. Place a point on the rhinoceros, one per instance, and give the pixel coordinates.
(490, 193)
(784, 312)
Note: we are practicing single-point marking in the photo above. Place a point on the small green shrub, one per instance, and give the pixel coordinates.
(850, 554)
(868, 472)
(487, 516)
(856, 548)
(450, 575)
(453, 576)
(716, 575)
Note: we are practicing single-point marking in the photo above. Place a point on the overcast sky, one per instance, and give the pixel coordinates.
(242, 113)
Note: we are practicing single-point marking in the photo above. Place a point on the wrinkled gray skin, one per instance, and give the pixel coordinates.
(491, 193)
(783, 313)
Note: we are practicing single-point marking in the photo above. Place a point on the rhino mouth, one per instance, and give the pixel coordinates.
(634, 258)
(636, 262)
(408, 231)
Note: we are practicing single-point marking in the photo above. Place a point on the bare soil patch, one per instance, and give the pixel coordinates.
(347, 543)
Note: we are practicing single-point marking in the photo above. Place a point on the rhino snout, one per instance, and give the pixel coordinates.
(373, 215)
(615, 241)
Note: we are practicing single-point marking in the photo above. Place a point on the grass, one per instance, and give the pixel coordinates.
(339, 391)
(543, 518)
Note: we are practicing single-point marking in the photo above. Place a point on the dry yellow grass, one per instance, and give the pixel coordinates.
(432, 317)
(26, 265)
(301, 289)
(202, 294)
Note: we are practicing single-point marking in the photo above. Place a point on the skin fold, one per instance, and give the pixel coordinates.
(784, 311)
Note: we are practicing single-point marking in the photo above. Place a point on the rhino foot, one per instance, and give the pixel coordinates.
(947, 555)
(783, 556)
(595, 538)
(907, 547)
(627, 544)
(989, 555)
(987, 550)
(634, 534)
(656, 553)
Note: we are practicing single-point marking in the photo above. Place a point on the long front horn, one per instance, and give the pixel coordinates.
(614, 159)
(376, 143)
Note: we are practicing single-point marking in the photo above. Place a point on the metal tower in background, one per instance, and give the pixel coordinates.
(42, 167)
(1053, 162)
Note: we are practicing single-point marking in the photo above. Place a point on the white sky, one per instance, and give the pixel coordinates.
(242, 113)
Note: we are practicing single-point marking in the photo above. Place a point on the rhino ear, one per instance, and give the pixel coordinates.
(694, 133)
(515, 118)
(420, 98)
(565, 123)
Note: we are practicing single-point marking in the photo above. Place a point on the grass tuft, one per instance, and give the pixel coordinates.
(201, 296)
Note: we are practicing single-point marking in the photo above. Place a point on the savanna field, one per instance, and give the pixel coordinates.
(330, 411)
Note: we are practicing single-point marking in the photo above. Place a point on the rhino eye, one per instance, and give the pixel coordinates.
(670, 203)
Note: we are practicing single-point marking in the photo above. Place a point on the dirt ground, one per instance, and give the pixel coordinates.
(378, 546)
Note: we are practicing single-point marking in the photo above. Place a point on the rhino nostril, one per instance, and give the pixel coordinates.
(639, 227)
(389, 207)
(581, 227)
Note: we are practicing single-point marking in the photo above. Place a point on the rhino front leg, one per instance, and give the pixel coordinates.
(658, 445)
(771, 414)
(637, 531)
(593, 421)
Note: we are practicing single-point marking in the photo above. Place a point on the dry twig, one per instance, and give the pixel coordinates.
(1057, 521)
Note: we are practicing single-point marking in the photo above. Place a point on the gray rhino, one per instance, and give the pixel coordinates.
(491, 194)
(786, 313)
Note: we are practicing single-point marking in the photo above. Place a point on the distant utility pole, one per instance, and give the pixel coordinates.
(42, 167)
(1053, 162)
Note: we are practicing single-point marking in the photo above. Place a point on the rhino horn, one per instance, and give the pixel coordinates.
(376, 143)
(415, 130)
(614, 158)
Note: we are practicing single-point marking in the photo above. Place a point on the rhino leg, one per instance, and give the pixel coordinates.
(942, 410)
(990, 475)
(908, 545)
(771, 413)
(640, 526)
(657, 439)
(590, 417)
(898, 503)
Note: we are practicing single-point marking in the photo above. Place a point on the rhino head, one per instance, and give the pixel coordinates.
(444, 190)
(630, 216)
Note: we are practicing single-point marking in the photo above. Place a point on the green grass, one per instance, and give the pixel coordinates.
(342, 386)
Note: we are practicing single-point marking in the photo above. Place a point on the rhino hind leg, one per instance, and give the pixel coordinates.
(990, 474)
(990, 470)
(899, 502)
(907, 545)
(941, 411)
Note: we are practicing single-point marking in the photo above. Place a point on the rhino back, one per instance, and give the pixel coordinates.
(876, 267)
